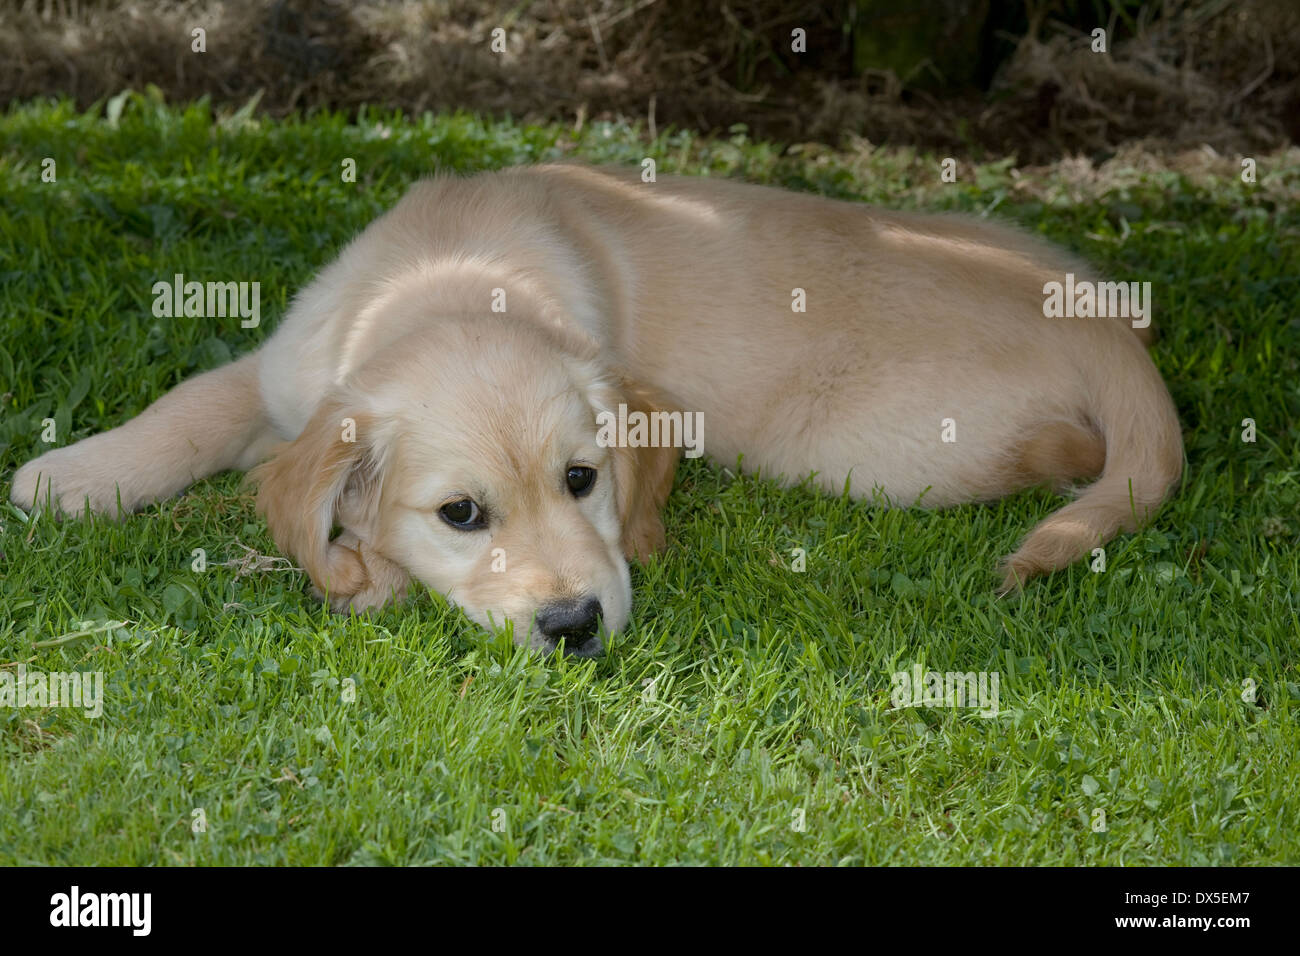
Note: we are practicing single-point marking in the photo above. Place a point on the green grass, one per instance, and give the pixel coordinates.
(1120, 692)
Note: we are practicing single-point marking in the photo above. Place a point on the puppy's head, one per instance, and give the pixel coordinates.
(468, 459)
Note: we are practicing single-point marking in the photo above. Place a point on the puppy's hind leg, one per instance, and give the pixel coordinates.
(1058, 454)
(212, 422)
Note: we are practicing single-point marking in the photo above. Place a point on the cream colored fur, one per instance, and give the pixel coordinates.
(675, 294)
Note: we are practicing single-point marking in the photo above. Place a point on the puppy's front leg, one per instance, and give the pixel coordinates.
(207, 424)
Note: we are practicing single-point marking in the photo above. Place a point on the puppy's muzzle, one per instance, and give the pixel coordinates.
(576, 622)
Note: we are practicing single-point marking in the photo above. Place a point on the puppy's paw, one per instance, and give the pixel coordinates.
(361, 579)
(70, 481)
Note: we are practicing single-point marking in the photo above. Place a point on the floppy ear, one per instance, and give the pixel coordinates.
(331, 473)
(643, 478)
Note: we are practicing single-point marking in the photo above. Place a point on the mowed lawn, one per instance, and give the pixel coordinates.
(745, 716)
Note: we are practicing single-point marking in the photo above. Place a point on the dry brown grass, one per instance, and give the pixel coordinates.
(1224, 73)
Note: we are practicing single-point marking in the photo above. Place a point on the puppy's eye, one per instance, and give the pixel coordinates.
(580, 479)
(463, 514)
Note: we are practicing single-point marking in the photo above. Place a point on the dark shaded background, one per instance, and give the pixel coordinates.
(974, 77)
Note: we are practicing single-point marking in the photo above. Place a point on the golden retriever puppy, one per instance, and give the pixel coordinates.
(448, 389)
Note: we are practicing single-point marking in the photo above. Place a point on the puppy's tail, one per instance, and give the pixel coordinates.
(1131, 406)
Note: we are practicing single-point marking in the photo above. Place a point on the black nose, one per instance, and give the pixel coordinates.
(576, 621)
